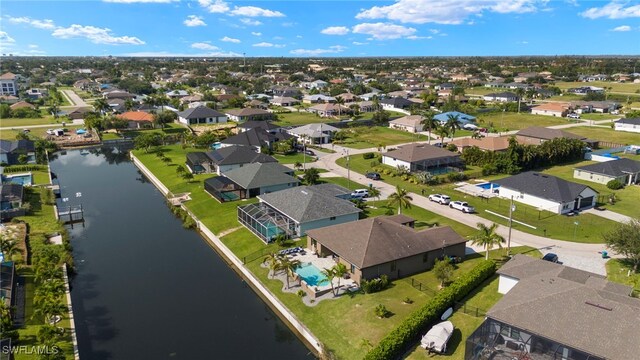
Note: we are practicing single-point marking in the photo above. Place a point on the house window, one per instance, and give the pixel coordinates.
(332, 218)
(393, 266)
(353, 269)
(425, 257)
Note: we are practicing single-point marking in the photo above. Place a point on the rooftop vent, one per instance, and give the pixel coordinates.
(599, 306)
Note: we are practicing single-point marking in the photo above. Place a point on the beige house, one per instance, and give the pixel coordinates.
(410, 123)
(625, 170)
(551, 109)
(385, 245)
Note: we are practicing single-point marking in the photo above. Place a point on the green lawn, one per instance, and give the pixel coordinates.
(598, 116)
(19, 123)
(615, 86)
(513, 121)
(172, 128)
(481, 90)
(371, 137)
(607, 134)
(617, 270)
(294, 158)
(110, 136)
(302, 118)
(547, 224)
(34, 133)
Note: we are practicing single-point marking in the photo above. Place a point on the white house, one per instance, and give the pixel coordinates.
(501, 97)
(201, 115)
(8, 84)
(421, 157)
(630, 125)
(314, 133)
(624, 170)
(546, 192)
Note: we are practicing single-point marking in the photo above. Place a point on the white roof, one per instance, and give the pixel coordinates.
(313, 130)
(437, 337)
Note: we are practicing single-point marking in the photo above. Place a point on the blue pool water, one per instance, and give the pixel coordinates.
(312, 275)
(487, 186)
(24, 180)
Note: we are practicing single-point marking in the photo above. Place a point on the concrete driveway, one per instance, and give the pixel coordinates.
(74, 99)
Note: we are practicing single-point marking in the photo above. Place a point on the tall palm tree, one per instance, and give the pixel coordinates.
(487, 237)
(443, 132)
(330, 275)
(429, 123)
(519, 92)
(273, 260)
(400, 198)
(339, 103)
(339, 271)
(289, 267)
(129, 104)
(101, 105)
(375, 102)
(452, 125)
(374, 192)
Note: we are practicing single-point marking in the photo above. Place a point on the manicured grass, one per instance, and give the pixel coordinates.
(294, 158)
(615, 86)
(19, 123)
(598, 116)
(110, 136)
(627, 199)
(481, 90)
(617, 270)
(169, 129)
(547, 224)
(607, 134)
(344, 182)
(371, 137)
(34, 133)
(513, 121)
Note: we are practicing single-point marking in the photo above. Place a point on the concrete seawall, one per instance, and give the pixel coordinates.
(72, 323)
(231, 258)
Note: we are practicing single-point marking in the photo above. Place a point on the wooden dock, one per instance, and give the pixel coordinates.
(70, 214)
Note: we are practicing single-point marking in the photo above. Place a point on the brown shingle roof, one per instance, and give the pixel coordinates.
(419, 152)
(490, 143)
(136, 116)
(378, 240)
(547, 134)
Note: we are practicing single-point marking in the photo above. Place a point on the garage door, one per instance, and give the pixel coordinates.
(586, 202)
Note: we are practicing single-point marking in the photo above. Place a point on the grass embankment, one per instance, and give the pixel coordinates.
(345, 325)
(364, 137)
(513, 121)
(615, 86)
(555, 226)
(607, 134)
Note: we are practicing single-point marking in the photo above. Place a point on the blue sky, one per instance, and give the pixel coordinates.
(308, 28)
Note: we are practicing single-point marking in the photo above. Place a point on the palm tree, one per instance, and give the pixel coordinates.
(443, 132)
(187, 176)
(452, 125)
(400, 198)
(339, 271)
(330, 275)
(487, 237)
(297, 165)
(374, 192)
(101, 105)
(339, 103)
(9, 248)
(129, 104)
(274, 262)
(519, 92)
(429, 122)
(311, 176)
(289, 267)
(375, 102)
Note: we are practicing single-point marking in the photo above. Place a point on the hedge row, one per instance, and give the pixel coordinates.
(395, 343)
(22, 168)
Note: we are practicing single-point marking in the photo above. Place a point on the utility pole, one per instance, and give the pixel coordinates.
(348, 169)
(510, 225)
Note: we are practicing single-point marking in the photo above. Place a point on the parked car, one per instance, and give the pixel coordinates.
(551, 257)
(309, 152)
(469, 127)
(462, 206)
(615, 112)
(439, 144)
(373, 175)
(440, 199)
(360, 194)
(573, 116)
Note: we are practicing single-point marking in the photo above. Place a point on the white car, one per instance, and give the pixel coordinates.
(573, 116)
(470, 127)
(360, 194)
(440, 199)
(462, 206)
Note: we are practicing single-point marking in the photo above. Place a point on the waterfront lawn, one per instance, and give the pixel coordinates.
(364, 137)
(507, 121)
(34, 133)
(547, 224)
(615, 86)
(607, 134)
(294, 158)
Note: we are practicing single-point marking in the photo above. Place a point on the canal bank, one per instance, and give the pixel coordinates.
(237, 265)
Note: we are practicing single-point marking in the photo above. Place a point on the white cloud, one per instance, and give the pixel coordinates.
(254, 33)
(360, 43)
(96, 35)
(335, 30)
(185, 55)
(204, 46)
(434, 31)
(228, 39)
(288, 24)
(299, 36)
(33, 46)
(254, 11)
(268, 44)
(250, 22)
(416, 37)
(622, 28)
(6, 41)
(383, 31)
(613, 10)
(444, 11)
(278, 38)
(215, 6)
(193, 20)
(316, 52)
(139, 1)
(40, 24)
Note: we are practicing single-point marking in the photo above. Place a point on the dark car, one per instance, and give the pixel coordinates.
(309, 152)
(551, 257)
(372, 175)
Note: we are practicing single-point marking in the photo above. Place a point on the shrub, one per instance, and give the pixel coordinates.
(382, 312)
(615, 185)
(375, 285)
(301, 293)
(456, 176)
(374, 163)
(395, 343)
(368, 156)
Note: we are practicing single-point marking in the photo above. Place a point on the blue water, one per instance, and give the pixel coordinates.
(312, 275)
(24, 180)
(487, 186)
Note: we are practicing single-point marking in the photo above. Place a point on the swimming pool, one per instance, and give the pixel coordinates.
(18, 179)
(312, 275)
(487, 186)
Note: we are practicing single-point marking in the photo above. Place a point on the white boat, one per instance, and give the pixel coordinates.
(436, 339)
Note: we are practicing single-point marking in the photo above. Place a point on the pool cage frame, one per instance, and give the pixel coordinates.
(257, 217)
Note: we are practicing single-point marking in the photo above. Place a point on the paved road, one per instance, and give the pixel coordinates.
(74, 99)
(578, 255)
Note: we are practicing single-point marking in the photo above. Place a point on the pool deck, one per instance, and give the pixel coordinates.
(475, 190)
(324, 264)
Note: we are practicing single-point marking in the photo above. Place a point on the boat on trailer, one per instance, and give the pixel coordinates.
(437, 337)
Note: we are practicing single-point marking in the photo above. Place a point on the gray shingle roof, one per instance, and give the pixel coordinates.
(633, 121)
(8, 146)
(306, 203)
(200, 112)
(547, 134)
(616, 168)
(262, 124)
(419, 152)
(379, 240)
(231, 155)
(573, 307)
(255, 137)
(258, 175)
(543, 186)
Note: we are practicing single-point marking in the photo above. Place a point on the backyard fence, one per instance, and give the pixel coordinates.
(610, 145)
(469, 310)
(421, 287)
(259, 254)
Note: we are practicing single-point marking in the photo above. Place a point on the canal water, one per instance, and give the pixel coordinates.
(145, 287)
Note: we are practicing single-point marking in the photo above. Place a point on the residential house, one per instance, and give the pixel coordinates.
(536, 135)
(21, 105)
(284, 101)
(201, 115)
(314, 133)
(625, 170)
(486, 143)
(410, 123)
(547, 192)
(8, 281)
(11, 198)
(584, 90)
(177, 94)
(35, 94)
(78, 113)
(250, 181)
(328, 109)
(137, 119)
(295, 211)
(12, 150)
(552, 109)
(348, 97)
(318, 99)
(462, 117)
(8, 84)
(551, 311)
(9, 99)
(117, 94)
(249, 114)
(225, 159)
(501, 97)
(628, 124)
(318, 84)
(422, 157)
(262, 124)
(397, 103)
(255, 138)
(385, 245)
(190, 99)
